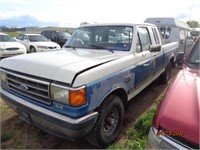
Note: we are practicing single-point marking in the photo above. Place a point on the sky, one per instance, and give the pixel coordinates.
(73, 12)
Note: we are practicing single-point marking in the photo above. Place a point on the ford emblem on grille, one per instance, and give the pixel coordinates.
(23, 87)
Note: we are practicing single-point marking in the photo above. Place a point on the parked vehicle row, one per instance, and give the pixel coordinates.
(59, 37)
(37, 43)
(10, 47)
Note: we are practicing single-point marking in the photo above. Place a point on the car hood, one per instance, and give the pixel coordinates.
(60, 65)
(180, 108)
(5, 45)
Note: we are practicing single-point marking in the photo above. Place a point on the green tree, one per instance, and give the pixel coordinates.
(193, 24)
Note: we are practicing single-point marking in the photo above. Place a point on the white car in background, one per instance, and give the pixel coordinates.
(37, 43)
(10, 47)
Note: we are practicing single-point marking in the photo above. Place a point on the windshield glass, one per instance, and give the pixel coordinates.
(194, 56)
(37, 38)
(6, 38)
(115, 38)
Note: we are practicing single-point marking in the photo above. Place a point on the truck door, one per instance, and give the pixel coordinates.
(157, 56)
(145, 68)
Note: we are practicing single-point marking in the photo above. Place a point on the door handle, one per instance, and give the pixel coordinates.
(147, 64)
(154, 54)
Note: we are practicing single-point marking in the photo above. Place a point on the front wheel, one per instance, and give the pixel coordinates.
(109, 122)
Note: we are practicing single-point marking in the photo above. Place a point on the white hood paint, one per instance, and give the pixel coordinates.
(58, 65)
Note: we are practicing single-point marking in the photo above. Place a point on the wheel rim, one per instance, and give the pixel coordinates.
(32, 50)
(111, 121)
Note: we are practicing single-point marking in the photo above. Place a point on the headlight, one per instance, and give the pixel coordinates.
(2, 76)
(44, 47)
(1, 49)
(72, 97)
(23, 48)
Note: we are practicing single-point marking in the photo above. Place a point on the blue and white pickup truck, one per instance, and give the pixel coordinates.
(82, 90)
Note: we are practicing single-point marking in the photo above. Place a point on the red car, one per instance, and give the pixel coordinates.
(176, 122)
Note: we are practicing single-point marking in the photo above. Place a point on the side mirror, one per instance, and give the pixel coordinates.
(181, 41)
(155, 48)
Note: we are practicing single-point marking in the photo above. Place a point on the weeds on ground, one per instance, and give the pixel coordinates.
(137, 136)
(5, 137)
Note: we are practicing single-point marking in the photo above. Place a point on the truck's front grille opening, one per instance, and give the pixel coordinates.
(31, 88)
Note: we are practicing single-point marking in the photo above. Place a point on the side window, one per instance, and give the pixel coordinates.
(25, 37)
(19, 37)
(144, 38)
(48, 35)
(53, 36)
(165, 32)
(183, 34)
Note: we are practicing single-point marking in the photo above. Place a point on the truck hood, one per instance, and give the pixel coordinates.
(60, 65)
(180, 108)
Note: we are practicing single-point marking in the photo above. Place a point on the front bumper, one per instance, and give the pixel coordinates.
(162, 142)
(49, 121)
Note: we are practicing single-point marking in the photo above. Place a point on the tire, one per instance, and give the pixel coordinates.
(165, 76)
(32, 49)
(61, 44)
(109, 122)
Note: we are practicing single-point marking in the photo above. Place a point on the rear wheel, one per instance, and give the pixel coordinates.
(109, 122)
(32, 49)
(165, 76)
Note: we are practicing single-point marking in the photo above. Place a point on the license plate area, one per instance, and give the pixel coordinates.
(24, 116)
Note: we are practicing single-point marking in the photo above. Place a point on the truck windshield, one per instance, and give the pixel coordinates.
(193, 60)
(114, 38)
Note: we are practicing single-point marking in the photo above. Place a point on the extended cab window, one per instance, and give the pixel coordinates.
(155, 34)
(115, 38)
(144, 38)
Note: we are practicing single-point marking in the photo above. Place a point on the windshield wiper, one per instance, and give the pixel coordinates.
(100, 47)
(67, 46)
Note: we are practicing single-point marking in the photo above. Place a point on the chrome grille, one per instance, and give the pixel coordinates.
(52, 47)
(31, 88)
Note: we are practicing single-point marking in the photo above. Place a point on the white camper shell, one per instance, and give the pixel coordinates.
(173, 30)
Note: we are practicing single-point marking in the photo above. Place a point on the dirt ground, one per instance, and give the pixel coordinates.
(20, 135)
